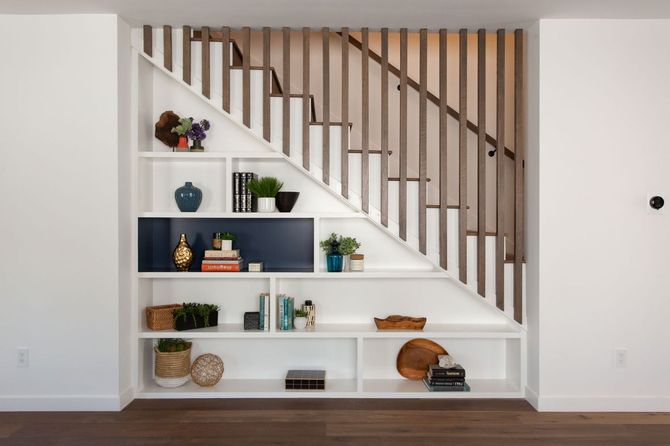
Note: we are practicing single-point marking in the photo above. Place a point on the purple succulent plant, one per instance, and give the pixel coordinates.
(197, 131)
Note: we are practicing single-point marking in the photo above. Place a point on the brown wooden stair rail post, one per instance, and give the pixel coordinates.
(167, 47)
(423, 137)
(186, 51)
(402, 218)
(325, 34)
(365, 123)
(500, 171)
(481, 162)
(225, 68)
(266, 84)
(444, 203)
(246, 76)
(286, 82)
(148, 40)
(344, 163)
(385, 128)
(463, 155)
(306, 34)
(205, 62)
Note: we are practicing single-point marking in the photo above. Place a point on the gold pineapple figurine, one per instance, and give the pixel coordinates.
(182, 256)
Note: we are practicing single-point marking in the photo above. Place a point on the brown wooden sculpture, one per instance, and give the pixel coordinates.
(396, 322)
(164, 126)
(415, 356)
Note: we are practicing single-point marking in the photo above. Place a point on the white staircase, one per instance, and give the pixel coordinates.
(355, 173)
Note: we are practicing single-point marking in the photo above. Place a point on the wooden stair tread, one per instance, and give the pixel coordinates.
(371, 152)
(408, 179)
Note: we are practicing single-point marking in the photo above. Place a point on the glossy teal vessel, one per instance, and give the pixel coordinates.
(188, 197)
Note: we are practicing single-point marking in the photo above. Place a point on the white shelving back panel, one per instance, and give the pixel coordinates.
(358, 301)
(481, 358)
(159, 178)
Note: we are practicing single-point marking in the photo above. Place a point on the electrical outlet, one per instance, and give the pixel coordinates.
(22, 357)
(621, 357)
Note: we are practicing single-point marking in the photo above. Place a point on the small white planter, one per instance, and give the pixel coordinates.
(300, 323)
(266, 204)
(226, 245)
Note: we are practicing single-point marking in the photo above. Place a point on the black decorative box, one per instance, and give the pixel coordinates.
(190, 323)
(306, 380)
(252, 320)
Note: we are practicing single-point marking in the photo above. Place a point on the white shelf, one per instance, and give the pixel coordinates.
(209, 155)
(176, 214)
(353, 331)
(404, 388)
(250, 388)
(297, 275)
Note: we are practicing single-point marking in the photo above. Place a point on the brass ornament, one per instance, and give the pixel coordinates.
(182, 256)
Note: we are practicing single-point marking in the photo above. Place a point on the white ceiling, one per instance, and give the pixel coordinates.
(354, 13)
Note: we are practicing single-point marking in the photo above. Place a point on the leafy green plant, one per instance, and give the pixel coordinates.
(173, 345)
(228, 236)
(331, 245)
(184, 126)
(266, 187)
(300, 313)
(193, 310)
(348, 245)
(335, 244)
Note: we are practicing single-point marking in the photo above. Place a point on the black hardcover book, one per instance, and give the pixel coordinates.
(243, 191)
(432, 382)
(464, 388)
(251, 200)
(236, 192)
(456, 371)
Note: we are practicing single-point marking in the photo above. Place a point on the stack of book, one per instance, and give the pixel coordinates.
(243, 200)
(264, 310)
(446, 379)
(217, 260)
(285, 306)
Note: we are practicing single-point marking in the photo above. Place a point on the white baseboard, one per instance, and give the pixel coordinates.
(600, 403)
(532, 398)
(126, 397)
(63, 402)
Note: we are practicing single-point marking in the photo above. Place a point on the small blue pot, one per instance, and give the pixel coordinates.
(334, 263)
(188, 197)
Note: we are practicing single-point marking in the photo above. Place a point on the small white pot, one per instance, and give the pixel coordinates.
(266, 204)
(226, 245)
(300, 323)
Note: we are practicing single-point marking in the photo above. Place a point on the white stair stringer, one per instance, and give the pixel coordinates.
(353, 202)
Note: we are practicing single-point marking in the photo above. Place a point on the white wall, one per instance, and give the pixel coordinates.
(598, 261)
(59, 271)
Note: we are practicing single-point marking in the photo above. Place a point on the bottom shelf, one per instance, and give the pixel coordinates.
(335, 388)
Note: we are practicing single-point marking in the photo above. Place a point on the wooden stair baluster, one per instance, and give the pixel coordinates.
(463, 155)
(147, 32)
(225, 68)
(306, 34)
(518, 174)
(325, 34)
(246, 76)
(344, 163)
(205, 62)
(365, 123)
(186, 52)
(286, 82)
(500, 171)
(167, 47)
(402, 220)
(385, 128)
(482, 154)
(444, 202)
(266, 84)
(423, 137)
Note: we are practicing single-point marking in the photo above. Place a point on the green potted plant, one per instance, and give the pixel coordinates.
(226, 240)
(182, 129)
(300, 320)
(173, 362)
(336, 247)
(348, 247)
(265, 189)
(193, 315)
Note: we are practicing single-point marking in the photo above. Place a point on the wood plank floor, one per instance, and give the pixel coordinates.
(300, 422)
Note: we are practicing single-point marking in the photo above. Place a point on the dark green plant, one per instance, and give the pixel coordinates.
(300, 313)
(336, 244)
(331, 245)
(173, 345)
(228, 236)
(193, 310)
(266, 187)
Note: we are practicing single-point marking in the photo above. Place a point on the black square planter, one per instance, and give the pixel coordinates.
(190, 323)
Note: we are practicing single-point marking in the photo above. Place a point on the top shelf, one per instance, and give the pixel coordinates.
(209, 155)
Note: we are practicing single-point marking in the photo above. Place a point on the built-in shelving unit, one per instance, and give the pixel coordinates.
(359, 360)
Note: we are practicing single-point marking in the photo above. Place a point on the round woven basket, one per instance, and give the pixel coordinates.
(207, 370)
(172, 368)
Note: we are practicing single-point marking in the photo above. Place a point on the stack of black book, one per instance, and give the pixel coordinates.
(446, 379)
(306, 380)
(243, 200)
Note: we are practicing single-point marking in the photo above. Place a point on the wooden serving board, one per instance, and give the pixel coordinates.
(416, 355)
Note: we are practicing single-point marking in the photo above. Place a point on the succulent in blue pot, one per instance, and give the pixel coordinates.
(188, 197)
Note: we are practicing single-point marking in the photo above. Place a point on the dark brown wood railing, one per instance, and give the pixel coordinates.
(236, 58)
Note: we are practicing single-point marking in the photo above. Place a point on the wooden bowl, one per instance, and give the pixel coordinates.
(415, 356)
(396, 322)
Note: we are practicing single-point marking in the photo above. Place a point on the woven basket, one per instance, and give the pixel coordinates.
(172, 369)
(160, 317)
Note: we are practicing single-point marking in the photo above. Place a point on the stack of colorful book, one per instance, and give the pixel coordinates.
(264, 310)
(285, 310)
(243, 200)
(218, 260)
(446, 379)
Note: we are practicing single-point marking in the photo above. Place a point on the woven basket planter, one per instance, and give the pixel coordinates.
(160, 317)
(172, 369)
